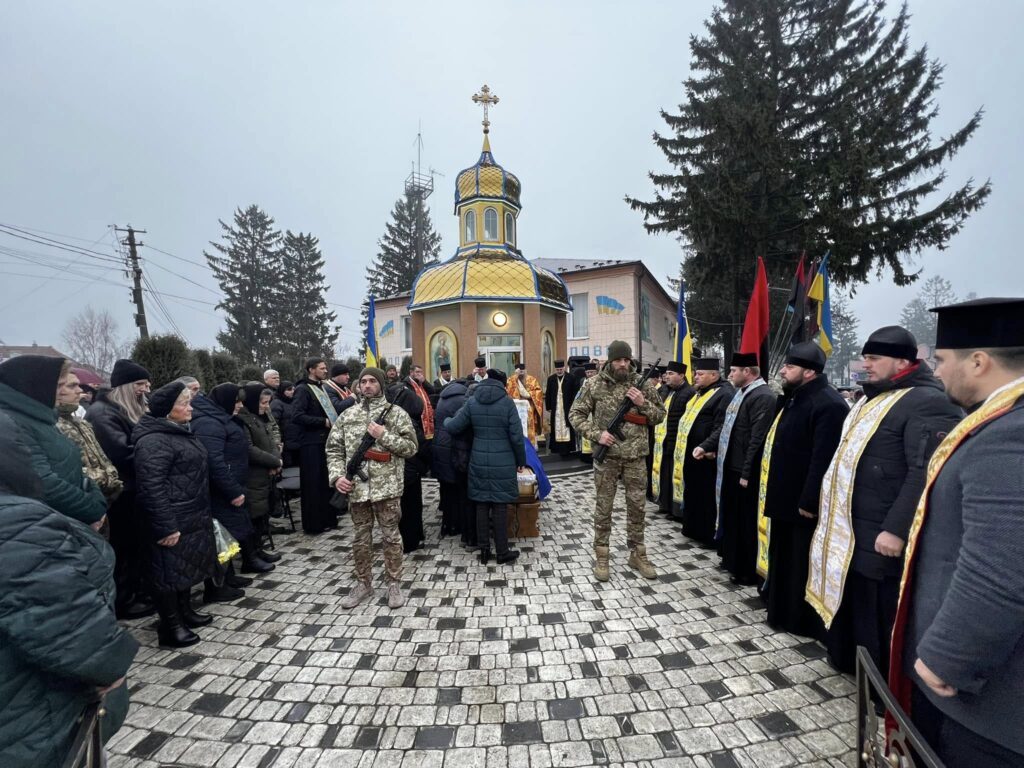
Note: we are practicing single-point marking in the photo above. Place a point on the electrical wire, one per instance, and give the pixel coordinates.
(6, 229)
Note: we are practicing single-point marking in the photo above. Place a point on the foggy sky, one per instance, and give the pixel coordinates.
(168, 116)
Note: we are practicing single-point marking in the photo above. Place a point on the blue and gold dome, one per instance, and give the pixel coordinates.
(486, 179)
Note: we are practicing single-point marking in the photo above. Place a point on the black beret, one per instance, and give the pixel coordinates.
(162, 400)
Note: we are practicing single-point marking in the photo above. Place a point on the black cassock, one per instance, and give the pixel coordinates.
(317, 513)
(676, 407)
(569, 389)
(699, 509)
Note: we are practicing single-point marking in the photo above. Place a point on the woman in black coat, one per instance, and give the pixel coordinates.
(283, 410)
(227, 456)
(174, 500)
(411, 523)
(496, 456)
(450, 463)
(264, 463)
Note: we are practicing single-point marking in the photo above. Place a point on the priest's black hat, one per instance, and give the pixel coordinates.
(162, 401)
(590, 366)
(520, 366)
(891, 341)
(480, 362)
(446, 366)
(743, 360)
(127, 372)
(559, 363)
(981, 323)
(808, 355)
(676, 367)
(707, 364)
(34, 376)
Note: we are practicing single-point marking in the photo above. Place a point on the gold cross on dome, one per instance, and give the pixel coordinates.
(487, 99)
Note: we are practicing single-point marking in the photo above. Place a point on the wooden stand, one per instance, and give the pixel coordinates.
(524, 520)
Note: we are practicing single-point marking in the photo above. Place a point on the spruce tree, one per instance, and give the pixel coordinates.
(846, 344)
(302, 324)
(936, 291)
(805, 127)
(247, 267)
(409, 244)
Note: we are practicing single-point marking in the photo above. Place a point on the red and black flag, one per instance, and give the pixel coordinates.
(755, 327)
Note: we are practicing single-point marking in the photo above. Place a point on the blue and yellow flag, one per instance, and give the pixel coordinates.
(819, 292)
(683, 347)
(371, 336)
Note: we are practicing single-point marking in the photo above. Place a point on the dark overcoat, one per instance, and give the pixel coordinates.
(570, 386)
(966, 619)
(263, 456)
(227, 456)
(746, 441)
(308, 415)
(805, 440)
(497, 442)
(450, 453)
(284, 410)
(891, 472)
(114, 429)
(173, 495)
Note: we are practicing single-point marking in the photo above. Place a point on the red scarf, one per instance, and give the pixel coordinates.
(428, 409)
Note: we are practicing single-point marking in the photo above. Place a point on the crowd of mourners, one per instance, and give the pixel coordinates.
(817, 501)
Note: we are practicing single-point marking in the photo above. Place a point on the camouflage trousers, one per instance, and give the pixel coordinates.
(633, 473)
(388, 512)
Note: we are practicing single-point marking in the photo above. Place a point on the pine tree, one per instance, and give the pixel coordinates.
(409, 244)
(247, 267)
(165, 357)
(846, 345)
(806, 127)
(302, 326)
(225, 368)
(203, 362)
(936, 291)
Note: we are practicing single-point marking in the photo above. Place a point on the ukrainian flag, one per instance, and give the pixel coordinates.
(819, 292)
(683, 347)
(371, 336)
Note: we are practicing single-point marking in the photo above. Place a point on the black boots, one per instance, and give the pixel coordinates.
(136, 607)
(509, 556)
(232, 579)
(252, 562)
(270, 557)
(485, 556)
(189, 616)
(221, 593)
(171, 631)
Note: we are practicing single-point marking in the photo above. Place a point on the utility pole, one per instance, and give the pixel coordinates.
(140, 314)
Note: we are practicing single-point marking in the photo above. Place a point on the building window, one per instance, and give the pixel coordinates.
(490, 224)
(407, 332)
(578, 321)
(470, 226)
(510, 229)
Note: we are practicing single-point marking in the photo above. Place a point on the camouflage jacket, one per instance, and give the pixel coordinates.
(95, 463)
(597, 403)
(399, 439)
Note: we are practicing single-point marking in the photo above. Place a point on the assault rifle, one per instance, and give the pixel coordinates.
(354, 468)
(615, 425)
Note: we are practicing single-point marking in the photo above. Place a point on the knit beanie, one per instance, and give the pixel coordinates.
(162, 401)
(619, 349)
(34, 376)
(127, 372)
(378, 374)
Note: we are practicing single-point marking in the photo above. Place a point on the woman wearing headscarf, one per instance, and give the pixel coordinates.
(264, 463)
(174, 498)
(227, 457)
(282, 410)
(113, 415)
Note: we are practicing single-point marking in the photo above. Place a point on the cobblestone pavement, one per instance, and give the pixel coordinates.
(528, 665)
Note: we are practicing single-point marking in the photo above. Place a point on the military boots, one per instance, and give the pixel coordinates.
(601, 563)
(638, 561)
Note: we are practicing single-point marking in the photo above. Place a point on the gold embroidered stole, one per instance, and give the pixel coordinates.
(899, 683)
(659, 447)
(833, 542)
(693, 408)
(561, 425)
(764, 524)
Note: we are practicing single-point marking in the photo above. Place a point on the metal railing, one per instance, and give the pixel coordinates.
(899, 746)
(87, 747)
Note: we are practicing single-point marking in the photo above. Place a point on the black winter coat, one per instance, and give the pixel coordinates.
(114, 429)
(891, 472)
(805, 440)
(746, 441)
(263, 456)
(308, 415)
(402, 395)
(227, 456)
(450, 452)
(284, 411)
(173, 495)
(497, 443)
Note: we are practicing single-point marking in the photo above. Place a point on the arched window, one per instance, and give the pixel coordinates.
(490, 224)
(470, 226)
(510, 229)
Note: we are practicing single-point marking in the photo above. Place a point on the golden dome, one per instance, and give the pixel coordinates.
(483, 273)
(487, 179)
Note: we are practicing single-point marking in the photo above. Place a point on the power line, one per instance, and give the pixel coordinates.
(45, 241)
(179, 258)
(176, 274)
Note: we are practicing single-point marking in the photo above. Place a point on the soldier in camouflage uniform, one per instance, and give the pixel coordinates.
(626, 459)
(379, 497)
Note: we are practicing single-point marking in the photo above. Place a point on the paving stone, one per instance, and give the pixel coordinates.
(527, 665)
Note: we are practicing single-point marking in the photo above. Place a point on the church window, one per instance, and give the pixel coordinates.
(510, 229)
(579, 319)
(490, 224)
(470, 226)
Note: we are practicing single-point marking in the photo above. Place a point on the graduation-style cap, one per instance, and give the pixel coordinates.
(981, 323)
(743, 360)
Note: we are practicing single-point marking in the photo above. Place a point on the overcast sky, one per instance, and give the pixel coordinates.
(168, 116)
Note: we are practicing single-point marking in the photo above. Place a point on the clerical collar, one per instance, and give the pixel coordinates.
(755, 383)
(1008, 385)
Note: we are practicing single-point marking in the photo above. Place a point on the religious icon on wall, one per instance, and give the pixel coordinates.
(547, 354)
(442, 351)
